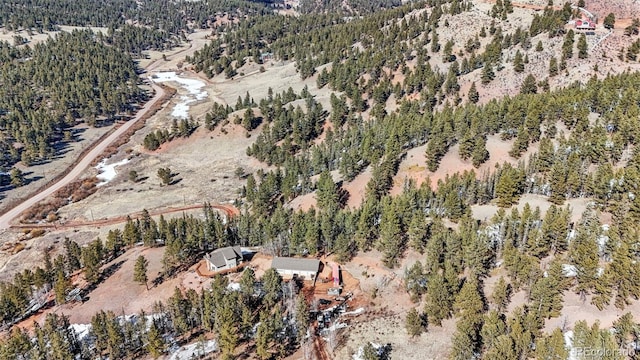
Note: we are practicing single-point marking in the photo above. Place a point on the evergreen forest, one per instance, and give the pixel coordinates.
(395, 85)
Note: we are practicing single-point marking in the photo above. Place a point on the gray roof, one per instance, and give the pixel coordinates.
(295, 264)
(219, 257)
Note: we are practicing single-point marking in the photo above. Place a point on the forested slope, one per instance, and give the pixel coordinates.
(45, 90)
(585, 133)
(398, 80)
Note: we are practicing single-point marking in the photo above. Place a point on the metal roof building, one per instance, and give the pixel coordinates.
(288, 267)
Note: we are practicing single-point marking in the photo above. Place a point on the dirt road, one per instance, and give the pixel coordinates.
(9, 216)
(228, 210)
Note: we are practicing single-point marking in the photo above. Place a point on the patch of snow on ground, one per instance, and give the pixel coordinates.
(568, 342)
(108, 172)
(569, 270)
(81, 330)
(233, 286)
(337, 326)
(195, 350)
(194, 88)
(359, 355)
(357, 311)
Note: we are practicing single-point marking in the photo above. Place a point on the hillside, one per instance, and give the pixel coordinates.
(471, 165)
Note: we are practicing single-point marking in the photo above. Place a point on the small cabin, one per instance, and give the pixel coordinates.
(585, 25)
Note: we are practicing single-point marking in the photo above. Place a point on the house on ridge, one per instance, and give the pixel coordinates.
(224, 258)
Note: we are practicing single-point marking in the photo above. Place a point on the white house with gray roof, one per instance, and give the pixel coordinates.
(224, 258)
(287, 267)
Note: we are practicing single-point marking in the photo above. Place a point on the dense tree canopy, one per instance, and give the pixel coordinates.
(48, 89)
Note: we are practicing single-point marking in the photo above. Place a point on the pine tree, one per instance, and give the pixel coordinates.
(248, 119)
(469, 305)
(551, 347)
(17, 177)
(414, 323)
(473, 95)
(115, 337)
(327, 192)
(464, 344)
(583, 52)
(466, 145)
(155, 344)
(623, 271)
(272, 285)
(558, 183)
(264, 336)
(546, 292)
(165, 175)
(392, 239)
(417, 232)
(529, 86)
(553, 67)
(60, 287)
(480, 153)
(567, 45)
(600, 341)
(502, 348)
(518, 62)
(501, 295)
(302, 316)
(415, 281)
(73, 255)
(18, 346)
(91, 259)
(509, 185)
(133, 176)
(247, 285)
(583, 253)
(435, 45)
(493, 327)
(438, 304)
(140, 271)
(609, 21)
(487, 73)
(369, 352)
(227, 326)
(625, 329)
(522, 327)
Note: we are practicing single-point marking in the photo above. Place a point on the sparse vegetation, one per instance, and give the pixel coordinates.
(398, 82)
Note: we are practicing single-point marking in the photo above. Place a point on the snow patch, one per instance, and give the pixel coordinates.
(195, 350)
(359, 355)
(108, 172)
(602, 241)
(337, 326)
(569, 270)
(194, 88)
(356, 312)
(81, 330)
(568, 342)
(233, 286)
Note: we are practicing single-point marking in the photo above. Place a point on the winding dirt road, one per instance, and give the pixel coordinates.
(98, 149)
(196, 41)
